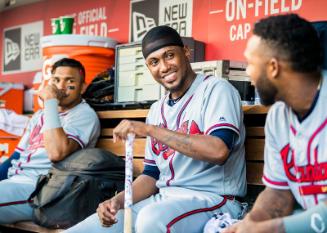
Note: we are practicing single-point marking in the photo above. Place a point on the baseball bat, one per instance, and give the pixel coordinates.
(128, 202)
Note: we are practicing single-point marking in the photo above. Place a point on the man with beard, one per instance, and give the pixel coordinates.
(66, 124)
(284, 63)
(194, 159)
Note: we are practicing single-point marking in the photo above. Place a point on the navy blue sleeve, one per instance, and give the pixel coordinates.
(152, 171)
(227, 135)
(7, 164)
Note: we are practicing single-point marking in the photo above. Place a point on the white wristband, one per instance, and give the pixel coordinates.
(51, 114)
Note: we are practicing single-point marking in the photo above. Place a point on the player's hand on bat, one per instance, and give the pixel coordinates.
(125, 127)
(107, 211)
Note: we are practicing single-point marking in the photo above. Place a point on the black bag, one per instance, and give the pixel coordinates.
(75, 186)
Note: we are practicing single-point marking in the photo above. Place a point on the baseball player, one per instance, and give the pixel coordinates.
(284, 62)
(67, 123)
(194, 158)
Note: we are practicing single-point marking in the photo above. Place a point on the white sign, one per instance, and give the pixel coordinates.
(92, 22)
(22, 50)
(177, 14)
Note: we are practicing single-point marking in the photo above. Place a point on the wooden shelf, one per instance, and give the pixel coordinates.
(142, 113)
(255, 109)
(117, 114)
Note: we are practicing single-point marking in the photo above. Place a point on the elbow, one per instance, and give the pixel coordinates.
(56, 156)
(221, 156)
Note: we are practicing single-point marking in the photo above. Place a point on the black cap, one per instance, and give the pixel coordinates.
(159, 37)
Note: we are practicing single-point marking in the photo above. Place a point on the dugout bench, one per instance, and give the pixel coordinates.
(254, 120)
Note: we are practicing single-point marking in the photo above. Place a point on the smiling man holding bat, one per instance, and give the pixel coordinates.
(194, 160)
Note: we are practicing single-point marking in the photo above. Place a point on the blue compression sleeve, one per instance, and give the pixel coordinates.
(312, 220)
(152, 171)
(7, 164)
(227, 135)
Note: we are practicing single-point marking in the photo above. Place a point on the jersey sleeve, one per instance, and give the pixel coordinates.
(222, 108)
(83, 127)
(274, 175)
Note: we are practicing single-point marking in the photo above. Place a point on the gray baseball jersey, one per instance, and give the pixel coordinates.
(211, 103)
(295, 152)
(79, 123)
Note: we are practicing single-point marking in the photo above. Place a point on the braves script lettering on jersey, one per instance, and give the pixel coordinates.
(209, 104)
(295, 152)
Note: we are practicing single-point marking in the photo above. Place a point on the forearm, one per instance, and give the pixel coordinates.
(56, 142)
(271, 204)
(298, 223)
(270, 226)
(58, 145)
(143, 187)
(201, 147)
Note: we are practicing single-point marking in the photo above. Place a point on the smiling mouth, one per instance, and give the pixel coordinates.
(169, 78)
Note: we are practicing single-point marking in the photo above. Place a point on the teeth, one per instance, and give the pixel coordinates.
(170, 77)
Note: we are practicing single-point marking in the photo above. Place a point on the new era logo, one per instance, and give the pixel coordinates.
(142, 24)
(12, 51)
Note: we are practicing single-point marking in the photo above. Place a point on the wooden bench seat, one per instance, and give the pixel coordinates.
(254, 118)
(28, 226)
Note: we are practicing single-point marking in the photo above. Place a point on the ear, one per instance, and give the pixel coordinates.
(187, 52)
(83, 89)
(273, 68)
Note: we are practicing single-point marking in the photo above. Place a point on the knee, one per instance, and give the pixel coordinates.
(148, 218)
(87, 225)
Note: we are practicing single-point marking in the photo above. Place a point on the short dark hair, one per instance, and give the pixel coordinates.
(294, 38)
(70, 63)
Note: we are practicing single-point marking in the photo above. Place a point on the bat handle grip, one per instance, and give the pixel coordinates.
(128, 220)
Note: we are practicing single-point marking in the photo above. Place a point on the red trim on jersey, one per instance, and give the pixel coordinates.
(277, 183)
(149, 161)
(178, 116)
(313, 189)
(316, 165)
(207, 77)
(19, 149)
(77, 139)
(163, 112)
(14, 203)
(222, 125)
(320, 128)
(29, 158)
(196, 211)
(293, 130)
(171, 170)
(181, 111)
(63, 113)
